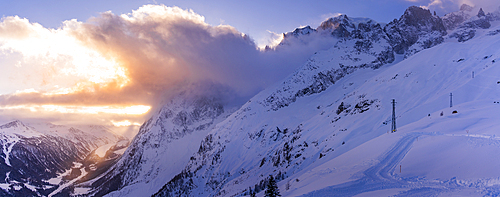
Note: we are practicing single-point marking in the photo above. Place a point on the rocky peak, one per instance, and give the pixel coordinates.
(480, 13)
(300, 31)
(466, 7)
(454, 19)
(13, 124)
(417, 29)
(334, 22)
(422, 19)
(338, 26)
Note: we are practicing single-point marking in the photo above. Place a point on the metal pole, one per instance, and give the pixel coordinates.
(451, 100)
(393, 128)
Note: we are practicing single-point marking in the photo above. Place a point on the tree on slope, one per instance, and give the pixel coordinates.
(272, 188)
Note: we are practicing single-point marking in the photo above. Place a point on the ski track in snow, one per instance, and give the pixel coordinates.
(378, 177)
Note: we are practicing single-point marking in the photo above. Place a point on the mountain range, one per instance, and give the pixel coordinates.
(325, 130)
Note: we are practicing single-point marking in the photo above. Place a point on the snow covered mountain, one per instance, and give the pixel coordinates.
(452, 20)
(325, 129)
(415, 30)
(35, 155)
(163, 145)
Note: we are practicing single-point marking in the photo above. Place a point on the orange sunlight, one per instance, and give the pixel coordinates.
(74, 109)
(124, 123)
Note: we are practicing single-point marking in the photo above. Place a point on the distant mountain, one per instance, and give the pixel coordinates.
(452, 20)
(467, 29)
(34, 155)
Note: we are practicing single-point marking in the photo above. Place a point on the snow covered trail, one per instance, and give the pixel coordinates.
(379, 177)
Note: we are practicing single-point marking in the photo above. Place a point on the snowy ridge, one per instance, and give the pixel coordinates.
(335, 141)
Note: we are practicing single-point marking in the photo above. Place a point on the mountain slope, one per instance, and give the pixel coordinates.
(163, 145)
(318, 140)
(34, 155)
(323, 129)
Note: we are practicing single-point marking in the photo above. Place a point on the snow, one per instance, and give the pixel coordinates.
(31, 187)
(101, 151)
(149, 185)
(81, 191)
(461, 148)
(448, 155)
(385, 192)
(122, 143)
(54, 181)
(5, 186)
(434, 152)
(101, 134)
(77, 165)
(70, 183)
(467, 148)
(121, 151)
(17, 128)
(8, 143)
(17, 187)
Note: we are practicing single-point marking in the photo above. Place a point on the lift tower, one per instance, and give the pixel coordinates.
(393, 128)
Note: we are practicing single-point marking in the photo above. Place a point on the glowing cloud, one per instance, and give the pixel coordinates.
(124, 65)
(124, 123)
(57, 55)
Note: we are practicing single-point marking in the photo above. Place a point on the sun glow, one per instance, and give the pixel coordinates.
(65, 109)
(58, 56)
(124, 123)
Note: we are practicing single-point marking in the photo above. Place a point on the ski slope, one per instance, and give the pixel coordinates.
(449, 155)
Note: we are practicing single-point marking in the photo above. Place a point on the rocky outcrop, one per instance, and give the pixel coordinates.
(417, 29)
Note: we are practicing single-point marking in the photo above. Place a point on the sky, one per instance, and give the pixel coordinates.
(114, 62)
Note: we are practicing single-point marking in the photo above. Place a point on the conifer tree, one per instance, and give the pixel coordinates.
(252, 192)
(272, 188)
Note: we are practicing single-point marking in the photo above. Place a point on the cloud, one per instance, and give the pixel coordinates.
(330, 15)
(434, 3)
(447, 6)
(140, 58)
(13, 27)
(273, 40)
